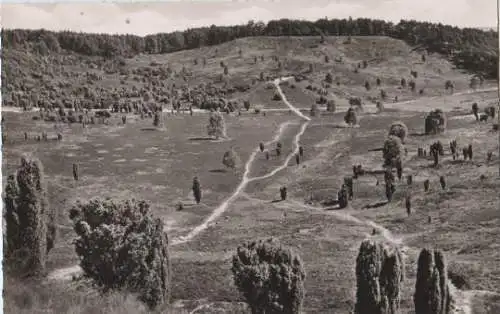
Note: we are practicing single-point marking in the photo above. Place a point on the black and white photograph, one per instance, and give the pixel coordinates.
(250, 157)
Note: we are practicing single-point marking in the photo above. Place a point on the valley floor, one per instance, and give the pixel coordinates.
(128, 160)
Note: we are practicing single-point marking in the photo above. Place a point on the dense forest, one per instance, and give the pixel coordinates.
(472, 49)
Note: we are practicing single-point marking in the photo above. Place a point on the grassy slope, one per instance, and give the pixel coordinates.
(121, 161)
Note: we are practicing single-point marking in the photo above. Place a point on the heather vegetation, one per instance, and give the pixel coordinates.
(256, 181)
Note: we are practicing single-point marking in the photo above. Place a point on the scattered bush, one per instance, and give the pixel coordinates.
(348, 182)
(75, 172)
(157, 120)
(122, 246)
(314, 110)
(277, 97)
(196, 190)
(246, 104)
(330, 105)
(216, 125)
(379, 274)
(380, 106)
(30, 223)
(231, 159)
(399, 129)
(270, 277)
(329, 78)
(367, 85)
(409, 179)
(432, 294)
(351, 117)
(383, 94)
(442, 181)
(475, 110)
(490, 111)
(408, 204)
(343, 197)
(355, 102)
(392, 151)
(435, 122)
(412, 85)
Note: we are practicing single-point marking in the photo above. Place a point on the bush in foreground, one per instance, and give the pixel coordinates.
(270, 277)
(123, 247)
(432, 295)
(379, 274)
(30, 223)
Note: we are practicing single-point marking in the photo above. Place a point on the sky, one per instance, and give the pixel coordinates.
(142, 18)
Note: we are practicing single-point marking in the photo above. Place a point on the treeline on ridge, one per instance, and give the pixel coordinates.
(468, 48)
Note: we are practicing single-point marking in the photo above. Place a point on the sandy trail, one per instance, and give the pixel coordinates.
(246, 179)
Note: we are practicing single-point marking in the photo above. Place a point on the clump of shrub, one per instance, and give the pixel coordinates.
(270, 276)
(490, 111)
(379, 274)
(231, 159)
(196, 190)
(330, 105)
(30, 222)
(321, 100)
(475, 110)
(399, 129)
(314, 110)
(216, 126)
(449, 85)
(329, 78)
(432, 293)
(355, 102)
(157, 120)
(351, 117)
(367, 85)
(277, 97)
(122, 246)
(343, 197)
(435, 122)
(393, 151)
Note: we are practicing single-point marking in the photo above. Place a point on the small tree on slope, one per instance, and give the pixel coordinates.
(270, 276)
(196, 190)
(216, 126)
(31, 227)
(231, 159)
(379, 273)
(432, 295)
(351, 117)
(393, 151)
(122, 246)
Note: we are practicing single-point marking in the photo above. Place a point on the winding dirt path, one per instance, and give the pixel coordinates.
(246, 179)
